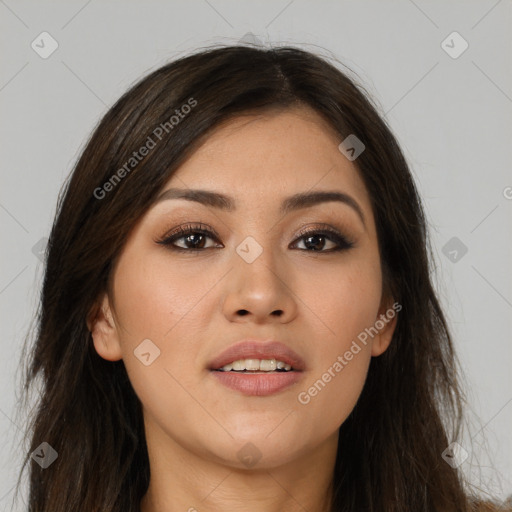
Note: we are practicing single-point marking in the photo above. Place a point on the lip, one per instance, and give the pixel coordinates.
(258, 384)
(254, 349)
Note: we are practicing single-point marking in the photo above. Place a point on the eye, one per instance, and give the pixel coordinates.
(195, 235)
(315, 240)
(194, 238)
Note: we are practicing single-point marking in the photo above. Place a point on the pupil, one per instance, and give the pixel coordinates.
(195, 244)
(312, 237)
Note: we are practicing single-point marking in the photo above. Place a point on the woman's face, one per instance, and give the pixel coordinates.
(256, 277)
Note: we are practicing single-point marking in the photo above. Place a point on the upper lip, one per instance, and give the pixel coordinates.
(255, 349)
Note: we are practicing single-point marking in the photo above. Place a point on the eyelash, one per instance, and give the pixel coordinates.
(343, 243)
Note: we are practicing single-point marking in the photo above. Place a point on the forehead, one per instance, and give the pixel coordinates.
(271, 154)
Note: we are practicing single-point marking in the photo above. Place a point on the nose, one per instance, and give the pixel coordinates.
(260, 291)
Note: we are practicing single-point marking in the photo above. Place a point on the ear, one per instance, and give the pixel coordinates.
(101, 324)
(385, 323)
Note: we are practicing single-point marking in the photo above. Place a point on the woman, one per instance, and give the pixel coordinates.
(237, 312)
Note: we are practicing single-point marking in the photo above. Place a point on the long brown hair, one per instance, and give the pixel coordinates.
(410, 409)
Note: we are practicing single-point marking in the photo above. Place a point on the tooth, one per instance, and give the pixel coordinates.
(239, 365)
(252, 364)
(264, 365)
(268, 365)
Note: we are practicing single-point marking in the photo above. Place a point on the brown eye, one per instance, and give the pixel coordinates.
(315, 240)
(194, 238)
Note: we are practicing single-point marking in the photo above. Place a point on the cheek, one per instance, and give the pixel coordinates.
(153, 300)
(343, 301)
(167, 306)
(342, 355)
(345, 307)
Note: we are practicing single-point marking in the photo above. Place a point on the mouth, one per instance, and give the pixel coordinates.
(258, 369)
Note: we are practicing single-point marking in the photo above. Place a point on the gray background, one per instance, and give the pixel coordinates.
(451, 115)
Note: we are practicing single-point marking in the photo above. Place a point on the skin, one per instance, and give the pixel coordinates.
(189, 305)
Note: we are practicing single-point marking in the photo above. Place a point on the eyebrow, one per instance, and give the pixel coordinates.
(289, 204)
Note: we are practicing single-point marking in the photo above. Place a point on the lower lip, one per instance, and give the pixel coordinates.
(258, 384)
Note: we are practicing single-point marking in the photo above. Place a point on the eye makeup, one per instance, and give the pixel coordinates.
(194, 236)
